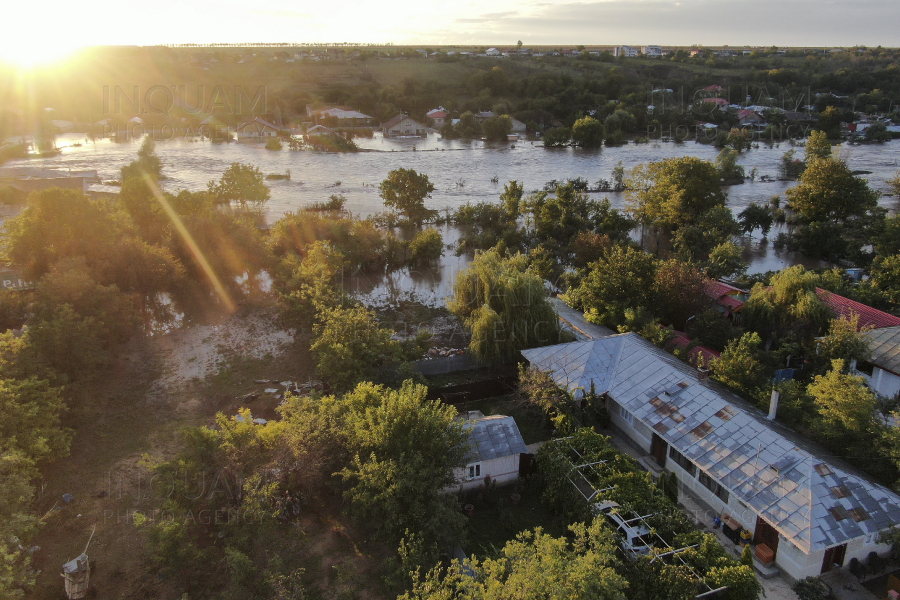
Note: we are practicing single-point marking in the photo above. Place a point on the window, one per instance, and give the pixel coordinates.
(682, 461)
(713, 486)
(473, 471)
(626, 416)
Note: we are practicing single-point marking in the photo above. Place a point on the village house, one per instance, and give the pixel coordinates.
(806, 513)
(402, 125)
(626, 51)
(256, 129)
(496, 448)
(882, 370)
(439, 116)
(749, 118)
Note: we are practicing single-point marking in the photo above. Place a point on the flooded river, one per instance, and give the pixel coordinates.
(461, 172)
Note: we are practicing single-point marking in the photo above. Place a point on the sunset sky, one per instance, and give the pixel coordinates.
(46, 31)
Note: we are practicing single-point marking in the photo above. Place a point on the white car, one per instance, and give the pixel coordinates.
(633, 535)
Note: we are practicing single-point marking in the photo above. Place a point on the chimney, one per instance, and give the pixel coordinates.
(773, 405)
(702, 374)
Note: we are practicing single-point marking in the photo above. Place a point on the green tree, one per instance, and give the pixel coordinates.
(756, 216)
(673, 192)
(587, 132)
(818, 146)
(740, 365)
(147, 163)
(894, 182)
(404, 449)
(680, 292)
(534, 566)
(790, 304)
(496, 128)
(725, 260)
(556, 137)
(504, 305)
(623, 278)
(406, 191)
(426, 246)
(886, 277)
(350, 346)
(620, 121)
(829, 191)
(844, 402)
(730, 172)
(844, 340)
(241, 184)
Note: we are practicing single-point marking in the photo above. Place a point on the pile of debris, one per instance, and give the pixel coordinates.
(300, 389)
(441, 352)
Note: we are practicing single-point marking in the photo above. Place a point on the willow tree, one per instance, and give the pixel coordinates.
(504, 305)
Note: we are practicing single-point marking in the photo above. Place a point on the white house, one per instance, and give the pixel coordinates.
(493, 52)
(812, 513)
(626, 51)
(884, 357)
(652, 51)
(256, 129)
(402, 125)
(496, 447)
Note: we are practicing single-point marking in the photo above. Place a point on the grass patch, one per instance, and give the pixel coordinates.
(496, 520)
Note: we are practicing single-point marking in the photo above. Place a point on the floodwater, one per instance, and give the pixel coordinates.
(461, 171)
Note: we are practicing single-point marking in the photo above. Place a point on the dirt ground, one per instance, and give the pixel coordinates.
(156, 387)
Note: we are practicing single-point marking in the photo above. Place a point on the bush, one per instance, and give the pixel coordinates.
(811, 588)
(273, 144)
(427, 246)
(561, 136)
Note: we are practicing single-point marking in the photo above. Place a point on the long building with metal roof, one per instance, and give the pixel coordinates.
(813, 513)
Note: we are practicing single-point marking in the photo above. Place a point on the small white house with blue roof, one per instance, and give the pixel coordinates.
(813, 514)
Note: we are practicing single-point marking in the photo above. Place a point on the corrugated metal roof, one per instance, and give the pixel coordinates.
(884, 348)
(494, 437)
(786, 485)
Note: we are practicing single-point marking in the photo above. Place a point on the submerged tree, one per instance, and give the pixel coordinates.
(406, 191)
(241, 184)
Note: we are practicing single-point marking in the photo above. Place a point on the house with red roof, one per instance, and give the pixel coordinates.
(869, 317)
(439, 116)
(729, 300)
(699, 356)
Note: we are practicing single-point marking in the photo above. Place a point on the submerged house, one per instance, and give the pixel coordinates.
(811, 514)
(402, 125)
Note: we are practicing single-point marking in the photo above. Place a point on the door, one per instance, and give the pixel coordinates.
(834, 558)
(659, 448)
(766, 534)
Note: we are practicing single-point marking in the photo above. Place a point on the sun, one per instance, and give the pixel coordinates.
(31, 55)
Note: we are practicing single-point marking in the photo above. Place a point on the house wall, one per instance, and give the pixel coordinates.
(789, 558)
(504, 469)
(884, 382)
